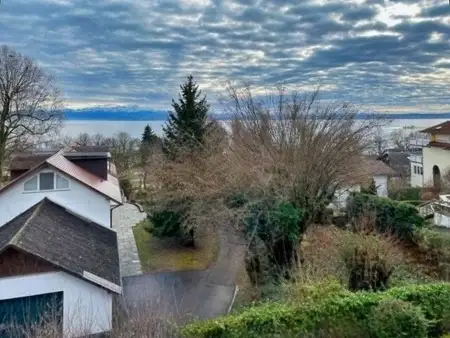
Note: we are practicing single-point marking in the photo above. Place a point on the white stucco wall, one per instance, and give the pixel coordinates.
(381, 182)
(78, 198)
(434, 156)
(416, 179)
(87, 309)
(442, 138)
(341, 196)
(441, 220)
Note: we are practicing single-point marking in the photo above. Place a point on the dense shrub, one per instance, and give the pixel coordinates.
(436, 247)
(397, 318)
(169, 220)
(306, 320)
(406, 194)
(126, 186)
(273, 230)
(399, 218)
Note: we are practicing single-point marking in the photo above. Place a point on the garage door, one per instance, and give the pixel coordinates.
(21, 316)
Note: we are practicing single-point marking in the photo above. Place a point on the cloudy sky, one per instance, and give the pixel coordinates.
(390, 55)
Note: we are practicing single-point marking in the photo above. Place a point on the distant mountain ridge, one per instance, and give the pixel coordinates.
(136, 113)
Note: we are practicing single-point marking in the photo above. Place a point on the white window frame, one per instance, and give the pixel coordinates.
(38, 175)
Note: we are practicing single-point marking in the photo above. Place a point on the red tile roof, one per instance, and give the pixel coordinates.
(103, 186)
(109, 189)
(441, 128)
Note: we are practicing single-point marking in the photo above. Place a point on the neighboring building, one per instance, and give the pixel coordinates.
(416, 169)
(398, 160)
(56, 241)
(436, 154)
(370, 169)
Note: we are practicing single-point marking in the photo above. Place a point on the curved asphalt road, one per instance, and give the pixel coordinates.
(184, 295)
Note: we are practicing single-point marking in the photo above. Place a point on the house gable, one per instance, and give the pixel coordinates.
(17, 263)
(75, 196)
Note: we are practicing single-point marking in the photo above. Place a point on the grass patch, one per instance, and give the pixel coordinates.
(167, 255)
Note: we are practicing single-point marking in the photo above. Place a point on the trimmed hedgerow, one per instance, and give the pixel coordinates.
(399, 218)
(397, 318)
(311, 319)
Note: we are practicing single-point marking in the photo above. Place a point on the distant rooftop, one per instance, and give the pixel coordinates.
(441, 128)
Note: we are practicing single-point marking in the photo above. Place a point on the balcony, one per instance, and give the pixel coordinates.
(418, 143)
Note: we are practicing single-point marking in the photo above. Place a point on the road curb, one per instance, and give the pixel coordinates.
(236, 289)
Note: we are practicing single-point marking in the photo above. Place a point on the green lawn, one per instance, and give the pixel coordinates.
(167, 255)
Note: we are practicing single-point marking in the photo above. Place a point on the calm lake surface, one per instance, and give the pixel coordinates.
(136, 128)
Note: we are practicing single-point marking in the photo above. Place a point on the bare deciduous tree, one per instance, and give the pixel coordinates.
(379, 142)
(289, 146)
(286, 147)
(30, 103)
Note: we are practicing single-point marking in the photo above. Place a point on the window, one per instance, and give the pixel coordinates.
(415, 169)
(46, 181)
(61, 182)
(31, 184)
(420, 170)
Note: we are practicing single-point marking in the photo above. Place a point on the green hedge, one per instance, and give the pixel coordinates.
(406, 194)
(353, 310)
(399, 218)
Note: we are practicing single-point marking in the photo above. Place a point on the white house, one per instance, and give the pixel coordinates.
(416, 162)
(436, 154)
(58, 254)
(370, 169)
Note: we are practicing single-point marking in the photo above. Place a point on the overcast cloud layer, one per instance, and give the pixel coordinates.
(389, 55)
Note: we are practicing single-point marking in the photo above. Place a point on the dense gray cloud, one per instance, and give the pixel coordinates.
(390, 55)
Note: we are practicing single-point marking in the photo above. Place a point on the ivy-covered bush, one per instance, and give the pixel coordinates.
(342, 308)
(397, 318)
(399, 218)
(273, 230)
(169, 219)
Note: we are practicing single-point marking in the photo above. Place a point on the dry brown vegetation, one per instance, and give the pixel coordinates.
(295, 148)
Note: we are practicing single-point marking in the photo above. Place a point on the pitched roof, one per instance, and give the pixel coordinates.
(441, 128)
(377, 167)
(109, 189)
(102, 186)
(26, 161)
(70, 242)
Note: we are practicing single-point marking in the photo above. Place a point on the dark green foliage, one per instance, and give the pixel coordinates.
(148, 137)
(406, 194)
(126, 186)
(341, 311)
(169, 221)
(397, 318)
(187, 123)
(399, 218)
(273, 232)
(371, 189)
(148, 143)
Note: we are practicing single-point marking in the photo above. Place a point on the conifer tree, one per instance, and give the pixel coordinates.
(188, 122)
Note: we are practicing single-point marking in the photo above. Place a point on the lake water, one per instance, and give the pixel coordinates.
(136, 128)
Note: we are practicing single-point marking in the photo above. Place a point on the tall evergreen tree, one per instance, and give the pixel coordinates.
(148, 137)
(188, 122)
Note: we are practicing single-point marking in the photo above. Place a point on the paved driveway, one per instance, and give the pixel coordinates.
(187, 294)
(124, 217)
(181, 295)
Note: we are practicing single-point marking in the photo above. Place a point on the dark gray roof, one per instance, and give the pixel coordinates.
(30, 159)
(26, 161)
(51, 232)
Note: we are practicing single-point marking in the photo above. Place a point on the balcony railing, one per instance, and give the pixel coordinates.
(419, 142)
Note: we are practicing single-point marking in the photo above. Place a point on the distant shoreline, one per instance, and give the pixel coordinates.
(159, 116)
